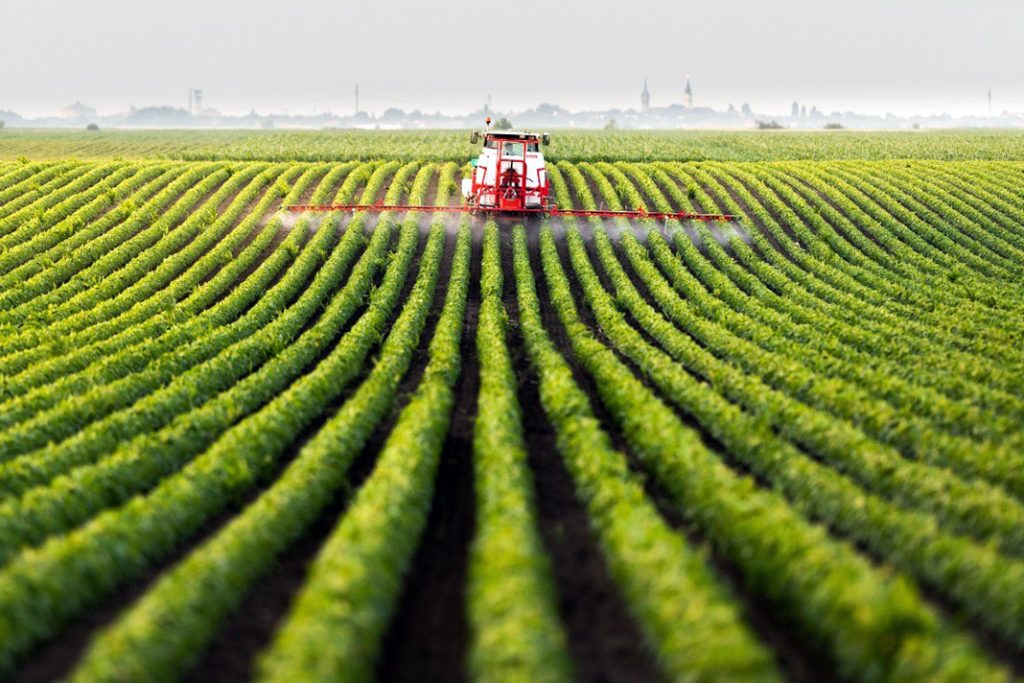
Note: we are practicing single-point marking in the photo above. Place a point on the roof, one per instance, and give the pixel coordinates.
(513, 135)
(76, 109)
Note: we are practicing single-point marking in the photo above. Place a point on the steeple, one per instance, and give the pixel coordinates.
(689, 93)
(645, 99)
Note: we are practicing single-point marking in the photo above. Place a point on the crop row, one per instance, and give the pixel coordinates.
(517, 634)
(953, 503)
(141, 462)
(225, 461)
(795, 437)
(637, 407)
(245, 549)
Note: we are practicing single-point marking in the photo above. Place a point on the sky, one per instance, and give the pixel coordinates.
(306, 56)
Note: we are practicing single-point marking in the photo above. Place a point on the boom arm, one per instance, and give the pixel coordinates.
(549, 211)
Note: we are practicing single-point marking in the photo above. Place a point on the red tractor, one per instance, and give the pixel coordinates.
(509, 175)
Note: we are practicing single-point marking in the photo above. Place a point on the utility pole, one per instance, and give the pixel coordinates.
(190, 101)
(990, 102)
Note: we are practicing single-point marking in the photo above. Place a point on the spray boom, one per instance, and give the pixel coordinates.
(549, 210)
(510, 178)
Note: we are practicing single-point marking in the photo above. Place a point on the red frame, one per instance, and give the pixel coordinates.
(510, 198)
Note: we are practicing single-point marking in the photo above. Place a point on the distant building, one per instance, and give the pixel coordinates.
(645, 99)
(76, 111)
(688, 100)
(195, 101)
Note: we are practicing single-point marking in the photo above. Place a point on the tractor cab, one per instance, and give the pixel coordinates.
(509, 175)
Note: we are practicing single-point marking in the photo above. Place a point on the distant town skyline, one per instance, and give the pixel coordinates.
(306, 56)
(196, 104)
(543, 117)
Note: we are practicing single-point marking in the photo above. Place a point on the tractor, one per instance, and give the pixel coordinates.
(509, 179)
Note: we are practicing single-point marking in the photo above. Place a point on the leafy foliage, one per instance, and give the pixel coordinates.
(813, 412)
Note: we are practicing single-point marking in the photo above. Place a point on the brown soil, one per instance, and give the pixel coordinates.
(428, 637)
(603, 639)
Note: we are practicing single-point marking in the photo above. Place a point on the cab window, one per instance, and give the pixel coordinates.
(532, 147)
(514, 149)
(491, 143)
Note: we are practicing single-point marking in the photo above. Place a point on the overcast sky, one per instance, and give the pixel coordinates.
(301, 56)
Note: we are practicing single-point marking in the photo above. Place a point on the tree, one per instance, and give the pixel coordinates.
(92, 126)
(2, 122)
(611, 125)
(502, 124)
(769, 125)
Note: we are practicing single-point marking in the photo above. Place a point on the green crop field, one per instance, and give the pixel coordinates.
(567, 145)
(241, 443)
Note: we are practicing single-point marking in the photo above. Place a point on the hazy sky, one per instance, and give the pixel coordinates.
(904, 56)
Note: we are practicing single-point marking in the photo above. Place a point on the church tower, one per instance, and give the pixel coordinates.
(689, 93)
(645, 99)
